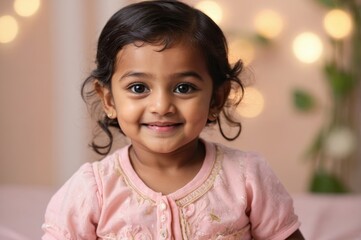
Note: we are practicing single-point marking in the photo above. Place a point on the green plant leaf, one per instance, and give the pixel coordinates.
(303, 101)
(261, 40)
(341, 82)
(317, 144)
(323, 182)
(328, 3)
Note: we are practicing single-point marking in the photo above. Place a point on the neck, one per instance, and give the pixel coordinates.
(191, 153)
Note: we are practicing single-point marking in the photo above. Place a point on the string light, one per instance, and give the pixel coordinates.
(8, 29)
(268, 24)
(307, 47)
(241, 49)
(252, 103)
(212, 9)
(338, 23)
(26, 8)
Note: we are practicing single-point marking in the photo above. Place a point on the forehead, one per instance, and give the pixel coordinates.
(147, 56)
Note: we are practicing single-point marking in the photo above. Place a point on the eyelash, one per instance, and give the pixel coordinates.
(190, 88)
(145, 89)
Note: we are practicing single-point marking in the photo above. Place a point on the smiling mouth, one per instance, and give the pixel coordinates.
(162, 127)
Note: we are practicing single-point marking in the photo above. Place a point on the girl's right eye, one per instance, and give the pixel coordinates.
(138, 88)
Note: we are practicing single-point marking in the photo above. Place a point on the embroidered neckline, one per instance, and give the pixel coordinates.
(127, 181)
(207, 185)
(192, 196)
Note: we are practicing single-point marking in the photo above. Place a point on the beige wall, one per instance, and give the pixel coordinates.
(44, 126)
(25, 101)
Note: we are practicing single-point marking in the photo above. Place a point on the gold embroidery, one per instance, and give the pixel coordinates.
(214, 217)
(141, 197)
(117, 170)
(208, 184)
(203, 189)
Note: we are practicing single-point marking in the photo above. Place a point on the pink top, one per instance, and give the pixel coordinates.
(235, 195)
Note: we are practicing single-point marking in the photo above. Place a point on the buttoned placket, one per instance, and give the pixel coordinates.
(164, 218)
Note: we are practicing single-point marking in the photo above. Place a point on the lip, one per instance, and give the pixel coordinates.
(162, 127)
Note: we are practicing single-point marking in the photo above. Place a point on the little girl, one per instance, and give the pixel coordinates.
(161, 76)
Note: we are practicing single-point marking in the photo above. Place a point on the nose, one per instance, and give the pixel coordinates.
(162, 103)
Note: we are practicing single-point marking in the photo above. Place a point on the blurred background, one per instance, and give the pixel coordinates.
(47, 49)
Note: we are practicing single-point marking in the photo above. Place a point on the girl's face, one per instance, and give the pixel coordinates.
(161, 98)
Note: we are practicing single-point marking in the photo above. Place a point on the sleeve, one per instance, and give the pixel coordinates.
(270, 207)
(74, 210)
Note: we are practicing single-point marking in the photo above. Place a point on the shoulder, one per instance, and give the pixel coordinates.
(88, 180)
(107, 165)
(248, 159)
(81, 185)
(111, 163)
(269, 205)
(76, 207)
(76, 203)
(250, 165)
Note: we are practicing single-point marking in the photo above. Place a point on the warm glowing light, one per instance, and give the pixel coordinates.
(307, 47)
(252, 103)
(340, 143)
(338, 23)
(268, 24)
(212, 9)
(8, 29)
(241, 49)
(26, 8)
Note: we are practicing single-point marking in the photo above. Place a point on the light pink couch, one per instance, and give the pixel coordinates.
(323, 217)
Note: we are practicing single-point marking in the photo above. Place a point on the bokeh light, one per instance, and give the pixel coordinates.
(268, 24)
(307, 47)
(252, 103)
(212, 9)
(241, 49)
(338, 23)
(26, 8)
(340, 143)
(8, 29)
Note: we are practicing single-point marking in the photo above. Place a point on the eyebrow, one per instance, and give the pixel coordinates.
(188, 74)
(135, 74)
(175, 75)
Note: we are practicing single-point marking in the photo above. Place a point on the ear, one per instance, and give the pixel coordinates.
(107, 99)
(219, 98)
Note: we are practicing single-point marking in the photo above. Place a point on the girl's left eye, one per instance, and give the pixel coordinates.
(184, 88)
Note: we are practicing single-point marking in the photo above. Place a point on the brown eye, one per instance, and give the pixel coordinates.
(138, 88)
(184, 88)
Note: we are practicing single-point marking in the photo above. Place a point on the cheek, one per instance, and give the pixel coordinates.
(127, 112)
(198, 111)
